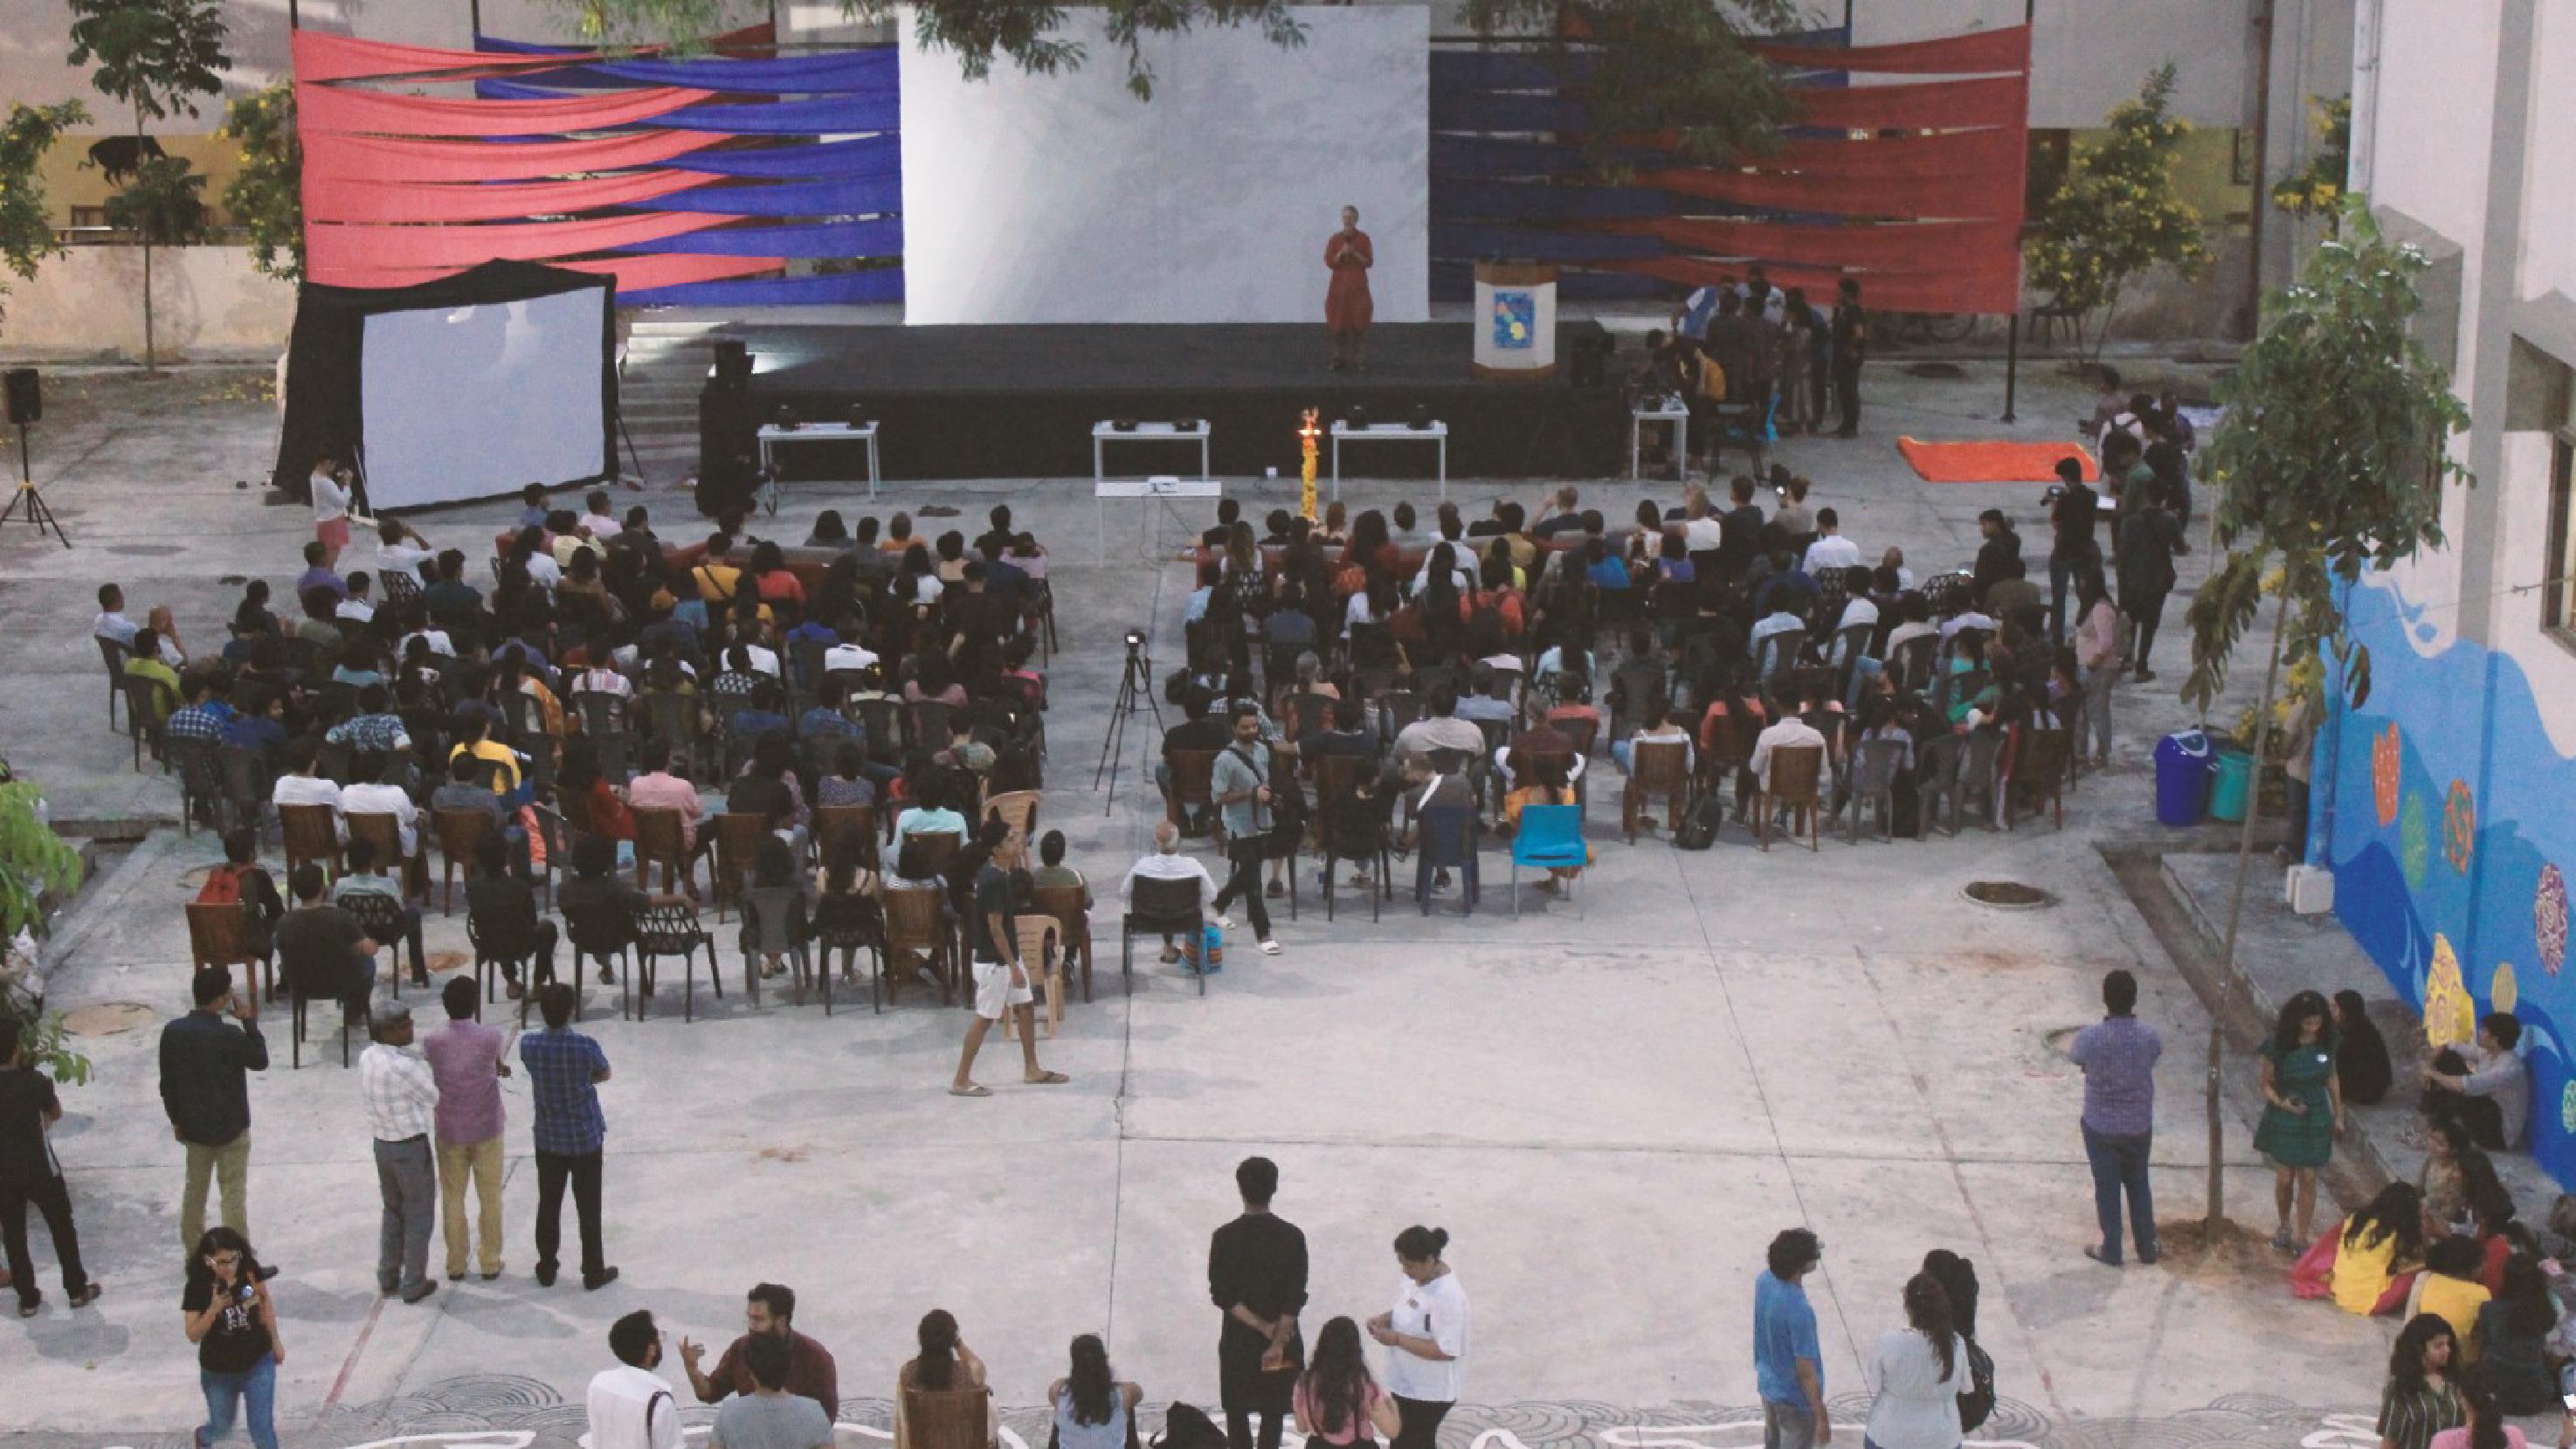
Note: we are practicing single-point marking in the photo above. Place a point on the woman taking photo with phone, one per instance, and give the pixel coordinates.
(232, 1320)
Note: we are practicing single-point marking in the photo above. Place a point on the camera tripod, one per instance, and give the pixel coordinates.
(36, 512)
(1136, 683)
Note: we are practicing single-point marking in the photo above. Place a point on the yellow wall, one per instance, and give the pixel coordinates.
(69, 180)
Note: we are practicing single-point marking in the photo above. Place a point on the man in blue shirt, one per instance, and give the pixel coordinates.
(2118, 1055)
(565, 1069)
(1787, 1367)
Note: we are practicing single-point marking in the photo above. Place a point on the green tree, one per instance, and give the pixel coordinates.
(164, 204)
(26, 227)
(156, 56)
(2330, 459)
(2117, 214)
(34, 863)
(266, 197)
(1683, 68)
(2317, 189)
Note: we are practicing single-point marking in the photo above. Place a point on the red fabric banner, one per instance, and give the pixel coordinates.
(1993, 286)
(333, 108)
(1978, 52)
(344, 245)
(335, 158)
(632, 273)
(351, 199)
(321, 57)
(1927, 105)
(1991, 194)
(1903, 246)
(1946, 154)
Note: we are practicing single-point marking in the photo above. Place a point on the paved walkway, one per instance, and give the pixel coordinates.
(1611, 1106)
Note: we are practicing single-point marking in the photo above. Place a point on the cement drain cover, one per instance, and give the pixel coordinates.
(107, 1018)
(2007, 895)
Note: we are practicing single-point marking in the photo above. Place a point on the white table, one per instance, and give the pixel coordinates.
(772, 435)
(1103, 433)
(1436, 432)
(1166, 488)
(1679, 417)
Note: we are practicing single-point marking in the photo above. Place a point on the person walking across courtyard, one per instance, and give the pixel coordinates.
(1001, 977)
(1240, 784)
(565, 1069)
(401, 1095)
(1257, 1278)
(206, 1093)
(1788, 1368)
(1425, 1335)
(2118, 1055)
(2302, 1112)
(30, 1176)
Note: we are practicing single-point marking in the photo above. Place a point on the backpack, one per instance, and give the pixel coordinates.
(1187, 1426)
(1979, 1401)
(223, 887)
(1699, 827)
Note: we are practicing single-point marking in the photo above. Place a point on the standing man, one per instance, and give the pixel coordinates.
(1240, 783)
(1788, 1369)
(1257, 1276)
(769, 1317)
(630, 1405)
(1347, 307)
(2118, 1055)
(1001, 978)
(208, 1099)
(30, 1175)
(1850, 346)
(2070, 521)
(401, 1096)
(565, 1069)
(465, 1057)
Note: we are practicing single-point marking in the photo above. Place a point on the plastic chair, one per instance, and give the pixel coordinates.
(659, 837)
(1064, 904)
(1446, 839)
(463, 836)
(670, 928)
(846, 833)
(1159, 907)
(738, 837)
(312, 834)
(113, 655)
(1656, 767)
(220, 935)
(1873, 782)
(198, 764)
(1190, 789)
(1936, 782)
(148, 703)
(1550, 838)
(382, 919)
(490, 959)
(917, 920)
(1797, 776)
(774, 924)
(2039, 769)
(1041, 942)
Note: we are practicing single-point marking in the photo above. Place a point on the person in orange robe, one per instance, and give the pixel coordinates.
(1346, 301)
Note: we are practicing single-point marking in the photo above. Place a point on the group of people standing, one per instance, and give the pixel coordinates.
(1749, 345)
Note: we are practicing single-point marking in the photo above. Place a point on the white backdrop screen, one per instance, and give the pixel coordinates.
(468, 402)
(1065, 199)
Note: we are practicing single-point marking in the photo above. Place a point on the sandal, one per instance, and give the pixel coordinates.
(971, 1089)
(1046, 1079)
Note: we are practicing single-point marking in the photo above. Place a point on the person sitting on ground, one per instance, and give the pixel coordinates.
(2361, 1063)
(2492, 1098)
(2378, 1250)
(2513, 1336)
(241, 879)
(2449, 1287)
(1165, 862)
(322, 951)
(1093, 1409)
(362, 878)
(502, 910)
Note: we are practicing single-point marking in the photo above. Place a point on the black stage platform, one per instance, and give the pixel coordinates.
(1020, 402)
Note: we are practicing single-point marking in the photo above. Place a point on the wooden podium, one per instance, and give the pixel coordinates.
(1515, 322)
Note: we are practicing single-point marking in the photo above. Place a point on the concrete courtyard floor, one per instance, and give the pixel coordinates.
(1612, 1106)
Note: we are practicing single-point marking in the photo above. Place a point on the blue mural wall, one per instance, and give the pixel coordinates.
(2451, 827)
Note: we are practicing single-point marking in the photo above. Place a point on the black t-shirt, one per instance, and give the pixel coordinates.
(2071, 518)
(994, 896)
(26, 1095)
(317, 947)
(238, 1340)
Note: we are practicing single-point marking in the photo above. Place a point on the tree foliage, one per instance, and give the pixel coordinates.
(26, 224)
(2117, 214)
(2317, 189)
(157, 56)
(266, 197)
(1679, 68)
(34, 863)
(164, 204)
(2331, 455)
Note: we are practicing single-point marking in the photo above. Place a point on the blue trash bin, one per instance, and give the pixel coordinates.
(2184, 764)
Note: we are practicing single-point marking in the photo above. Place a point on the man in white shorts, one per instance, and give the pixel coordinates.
(1001, 978)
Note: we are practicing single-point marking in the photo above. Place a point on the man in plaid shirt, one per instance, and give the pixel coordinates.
(206, 716)
(401, 1096)
(565, 1069)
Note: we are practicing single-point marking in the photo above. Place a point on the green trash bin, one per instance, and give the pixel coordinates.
(2234, 777)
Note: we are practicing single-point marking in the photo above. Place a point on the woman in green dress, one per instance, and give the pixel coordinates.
(2302, 1112)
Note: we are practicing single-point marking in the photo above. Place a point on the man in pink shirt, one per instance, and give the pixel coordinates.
(656, 788)
(465, 1058)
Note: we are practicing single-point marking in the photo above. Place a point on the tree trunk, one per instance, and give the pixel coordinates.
(2236, 896)
(145, 229)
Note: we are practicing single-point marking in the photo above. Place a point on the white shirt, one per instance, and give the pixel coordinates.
(356, 611)
(1917, 1405)
(1790, 731)
(848, 656)
(1357, 611)
(1858, 611)
(400, 1092)
(543, 571)
(1175, 866)
(763, 660)
(1702, 535)
(1951, 626)
(383, 799)
(603, 681)
(632, 1408)
(1832, 551)
(114, 626)
(330, 500)
(1436, 1310)
(438, 643)
(602, 527)
(1906, 633)
(306, 790)
(401, 558)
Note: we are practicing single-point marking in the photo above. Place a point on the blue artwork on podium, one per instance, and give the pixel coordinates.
(1515, 320)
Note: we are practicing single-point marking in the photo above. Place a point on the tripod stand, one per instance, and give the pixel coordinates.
(1137, 682)
(30, 500)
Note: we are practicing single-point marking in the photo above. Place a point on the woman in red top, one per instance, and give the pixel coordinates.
(590, 804)
(1346, 302)
(773, 580)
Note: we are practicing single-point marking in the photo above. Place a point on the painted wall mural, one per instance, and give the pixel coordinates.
(2450, 823)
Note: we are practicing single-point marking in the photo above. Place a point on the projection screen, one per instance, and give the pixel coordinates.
(1063, 198)
(480, 399)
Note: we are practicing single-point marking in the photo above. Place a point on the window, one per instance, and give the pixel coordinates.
(2558, 590)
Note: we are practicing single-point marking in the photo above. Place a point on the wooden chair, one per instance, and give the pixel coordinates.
(219, 935)
(947, 1418)
(1797, 776)
(1657, 767)
(463, 836)
(738, 836)
(2039, 773)
(846, 833)
(1018, 808)
(1042, 956)
(384, 833)
(916, 920)
(1064, 905)
(659, 838)
(312, 834)
(1191, 772)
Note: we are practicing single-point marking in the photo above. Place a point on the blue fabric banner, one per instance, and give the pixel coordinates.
(791, 118)
(863, 196)
(880, 238)
(838, 289)
(1503, 111)
(1505, 70)
(1493, 156)
(867, 156)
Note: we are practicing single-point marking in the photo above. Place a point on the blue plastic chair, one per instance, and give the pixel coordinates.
(1551, 836)
(1447, 842)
